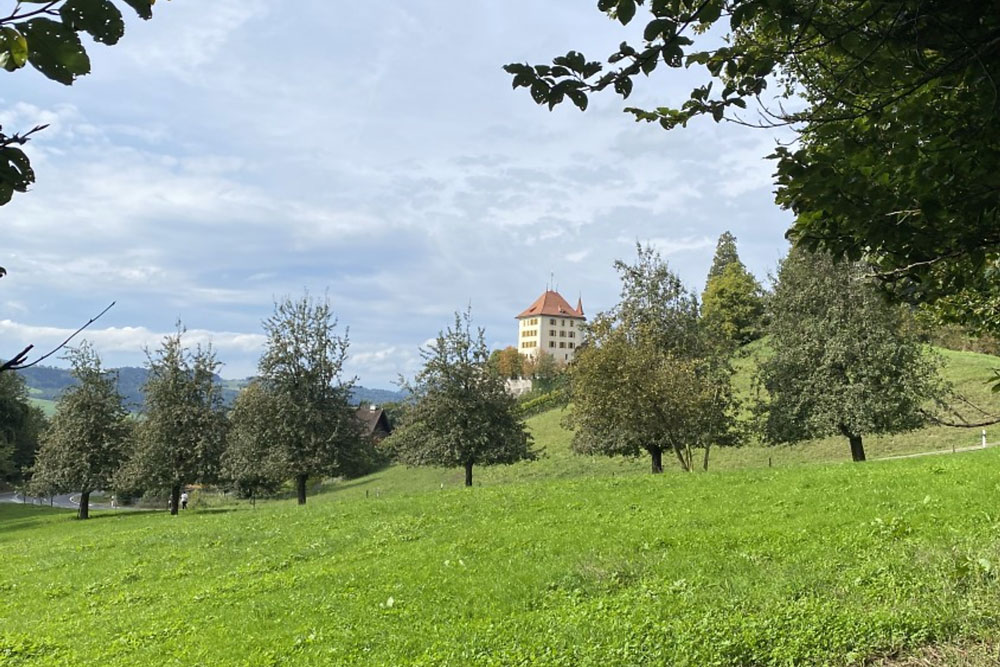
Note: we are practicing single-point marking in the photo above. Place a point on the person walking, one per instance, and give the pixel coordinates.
(184, 500)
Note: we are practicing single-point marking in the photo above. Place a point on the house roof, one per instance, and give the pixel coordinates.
(370, 418)
(552, 303)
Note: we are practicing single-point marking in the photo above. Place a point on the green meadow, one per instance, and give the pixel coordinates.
(568, 560)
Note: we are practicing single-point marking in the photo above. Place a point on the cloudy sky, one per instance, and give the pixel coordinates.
(231, 152)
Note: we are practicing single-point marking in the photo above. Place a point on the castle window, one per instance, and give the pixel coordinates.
(571, 346)
(552, 343)
(562, 343)
(552, 321)
(571, 334)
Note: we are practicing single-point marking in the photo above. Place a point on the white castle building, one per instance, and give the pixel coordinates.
(550, 325)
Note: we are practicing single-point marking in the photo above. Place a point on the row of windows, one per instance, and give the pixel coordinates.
(562, 344)
(529, 343)
(529, 332)
(527, 323)
(552, 321)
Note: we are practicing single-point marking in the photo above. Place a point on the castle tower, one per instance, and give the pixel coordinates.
(550, 325)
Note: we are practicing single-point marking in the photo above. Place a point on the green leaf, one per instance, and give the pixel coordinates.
(144, 8)
(13, 49)
(626, 10)
(578, 97)
(100, 18)
(55, 50)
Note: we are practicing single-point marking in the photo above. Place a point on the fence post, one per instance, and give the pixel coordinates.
(984, 438)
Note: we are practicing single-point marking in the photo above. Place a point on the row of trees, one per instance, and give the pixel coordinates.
(293, 422)
(654, 373)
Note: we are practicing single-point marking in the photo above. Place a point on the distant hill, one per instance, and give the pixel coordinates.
(46, 383)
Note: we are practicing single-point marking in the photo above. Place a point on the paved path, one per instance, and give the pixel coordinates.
(976, 448)
(68, 501)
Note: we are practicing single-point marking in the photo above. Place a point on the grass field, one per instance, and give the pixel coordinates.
(568, 560)
(810, 564)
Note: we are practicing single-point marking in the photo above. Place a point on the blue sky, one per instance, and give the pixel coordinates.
(231, 152)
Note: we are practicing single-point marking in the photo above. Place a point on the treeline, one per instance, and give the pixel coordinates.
(293, 422)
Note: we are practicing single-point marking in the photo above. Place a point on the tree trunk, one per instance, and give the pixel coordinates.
(704, 464)
(84, 510)
(857, 448)
(656, 460)
(685, 462)
(175, 498)
(468, 473)
(300, 485)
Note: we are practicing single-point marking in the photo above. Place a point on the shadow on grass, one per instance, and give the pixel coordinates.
(343, 486)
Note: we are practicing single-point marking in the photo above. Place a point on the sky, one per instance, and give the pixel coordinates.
(229, 153)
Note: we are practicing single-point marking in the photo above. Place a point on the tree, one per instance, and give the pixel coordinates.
(85, 445)
(733, 305)
(182, 431)
(725, 254)
(645, 380)
(460, 412)
(302, 367)
(20, 427)
(253, 462)
(508, 362)
(897, 150)
(46, 33)
(842, 362)
(544, 370)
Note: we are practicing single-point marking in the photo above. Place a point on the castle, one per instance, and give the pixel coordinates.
(550, 325)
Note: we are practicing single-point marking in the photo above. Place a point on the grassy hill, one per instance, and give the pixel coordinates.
(823, 564)
(563, 561)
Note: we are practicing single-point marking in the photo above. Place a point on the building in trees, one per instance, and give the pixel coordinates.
(374, 422)
(550, 325)
(461, 414)
(842, 362)
(85, 445)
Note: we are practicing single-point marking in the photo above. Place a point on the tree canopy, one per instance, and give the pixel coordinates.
(645, 378)
(732, 305)
(20, 426)
(842, 362)
(460, 413)
(316, 429)
(895, 108)
(46, 34)
(86, 443)
(181, 434)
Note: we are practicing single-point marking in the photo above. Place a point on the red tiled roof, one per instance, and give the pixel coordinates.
(551, 303)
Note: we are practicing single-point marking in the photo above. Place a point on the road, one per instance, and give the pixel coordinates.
(69, 501)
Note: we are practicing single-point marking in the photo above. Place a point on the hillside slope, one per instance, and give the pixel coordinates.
(824, 564)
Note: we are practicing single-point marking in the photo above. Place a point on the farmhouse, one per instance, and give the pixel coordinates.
(374, 422)
(550, 325)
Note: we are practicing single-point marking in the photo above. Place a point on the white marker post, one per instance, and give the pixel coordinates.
(984, 438)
